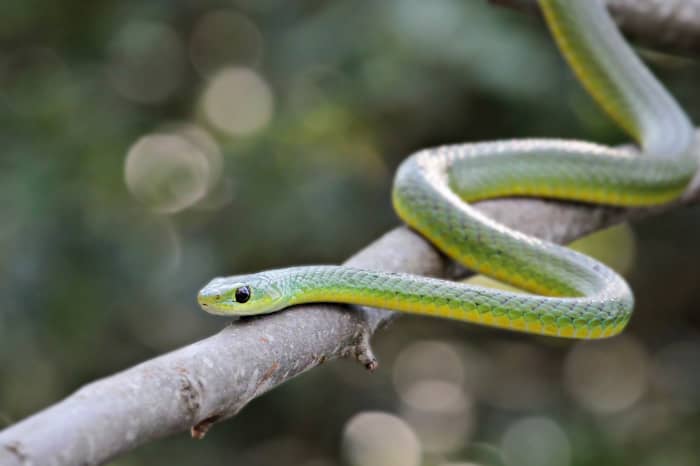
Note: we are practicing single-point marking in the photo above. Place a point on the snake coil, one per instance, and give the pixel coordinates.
(572, 294)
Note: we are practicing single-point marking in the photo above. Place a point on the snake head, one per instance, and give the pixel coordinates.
(243, 295)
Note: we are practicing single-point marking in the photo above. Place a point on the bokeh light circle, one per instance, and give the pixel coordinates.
(536, 441)
(237, 101)
(427, 360)
(436, 396)
(205, 142)
(167, 172)
(375, 438)
(429, 378)
(607, 376)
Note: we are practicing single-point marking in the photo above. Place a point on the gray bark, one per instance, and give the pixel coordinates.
(212, 379)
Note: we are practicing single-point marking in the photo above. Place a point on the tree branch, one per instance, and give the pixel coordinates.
(666, 25)
(211, 380)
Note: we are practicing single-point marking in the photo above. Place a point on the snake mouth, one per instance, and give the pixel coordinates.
(213, 304)
(211, 298)
(207, 300)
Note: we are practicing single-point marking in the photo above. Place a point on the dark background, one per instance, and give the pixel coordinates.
(148, 146)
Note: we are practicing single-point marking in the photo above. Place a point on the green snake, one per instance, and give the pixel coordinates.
(569, 294)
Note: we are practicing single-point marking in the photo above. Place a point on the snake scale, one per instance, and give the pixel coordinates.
(569, 294)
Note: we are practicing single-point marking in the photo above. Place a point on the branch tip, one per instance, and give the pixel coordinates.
(199, 430)
(363, 351)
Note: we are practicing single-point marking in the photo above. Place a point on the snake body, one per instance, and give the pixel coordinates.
(572, 295)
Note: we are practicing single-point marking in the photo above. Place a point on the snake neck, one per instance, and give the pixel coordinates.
(327, 283)
(339, 284)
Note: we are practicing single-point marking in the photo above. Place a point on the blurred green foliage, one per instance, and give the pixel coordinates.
(93, 279)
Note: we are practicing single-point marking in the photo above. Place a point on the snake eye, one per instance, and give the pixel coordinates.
(242, 294)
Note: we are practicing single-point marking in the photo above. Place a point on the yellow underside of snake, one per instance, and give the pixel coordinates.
(571, 295)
